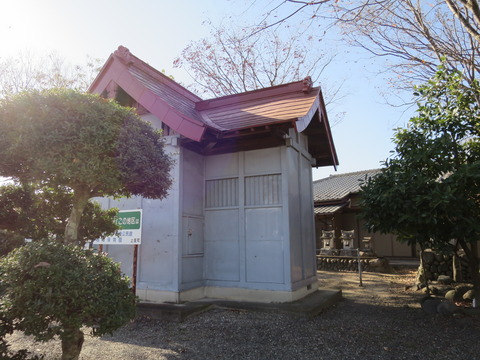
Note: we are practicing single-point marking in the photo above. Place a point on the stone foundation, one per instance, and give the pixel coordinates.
(437, 264)
(350, 263)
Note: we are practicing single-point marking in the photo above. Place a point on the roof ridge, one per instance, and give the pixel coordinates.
(267, 92)
(348, 174)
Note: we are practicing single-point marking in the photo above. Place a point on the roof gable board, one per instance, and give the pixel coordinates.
(117, 70)
(317, 127)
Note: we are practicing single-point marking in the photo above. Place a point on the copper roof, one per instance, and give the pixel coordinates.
(206, 125)
(283, 103)
(162, 89)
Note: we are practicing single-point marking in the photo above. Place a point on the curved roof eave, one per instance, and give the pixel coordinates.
(302, 123)
(305, 122)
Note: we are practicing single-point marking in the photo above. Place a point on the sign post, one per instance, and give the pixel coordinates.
(130, 233)
(134, 270)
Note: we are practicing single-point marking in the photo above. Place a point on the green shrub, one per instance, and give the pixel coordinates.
(54, 289)
(9, 241)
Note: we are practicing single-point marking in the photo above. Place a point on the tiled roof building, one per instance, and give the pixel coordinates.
(332, 193)
(337, 207)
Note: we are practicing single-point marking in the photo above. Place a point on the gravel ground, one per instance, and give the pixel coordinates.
(381, 320)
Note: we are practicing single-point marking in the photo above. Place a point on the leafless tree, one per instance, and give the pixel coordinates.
(32, 71)
(230, 61)
(468, 13)
(412, 35)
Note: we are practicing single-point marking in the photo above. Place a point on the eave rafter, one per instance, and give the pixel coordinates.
(215, 142)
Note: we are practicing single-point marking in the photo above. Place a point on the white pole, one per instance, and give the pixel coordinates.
(359, 267)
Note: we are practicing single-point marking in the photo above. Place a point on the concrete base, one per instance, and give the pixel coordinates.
(158, 296)
(308, 306)
(226, 293)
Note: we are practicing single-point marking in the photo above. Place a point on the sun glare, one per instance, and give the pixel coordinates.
(22, 26)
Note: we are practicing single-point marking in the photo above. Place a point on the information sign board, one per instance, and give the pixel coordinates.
(130, 233)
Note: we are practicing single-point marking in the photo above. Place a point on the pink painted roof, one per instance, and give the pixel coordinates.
(282, 103)
(295, 104)
(163, 89)
(168, 101)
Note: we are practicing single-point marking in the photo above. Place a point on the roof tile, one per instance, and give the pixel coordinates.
(337, 187)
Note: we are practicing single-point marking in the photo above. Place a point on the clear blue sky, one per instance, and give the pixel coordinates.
(157, 30)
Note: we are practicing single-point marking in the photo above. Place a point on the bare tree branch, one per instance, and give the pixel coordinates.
(412, 36)
(32, 71)
(304, 4)
(472, 5)
(230, 62)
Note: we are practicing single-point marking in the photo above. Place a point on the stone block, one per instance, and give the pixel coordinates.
(437, 306)
(444, 279)
(469, 295)
(428, 257)
(438, 257)
(451, 295)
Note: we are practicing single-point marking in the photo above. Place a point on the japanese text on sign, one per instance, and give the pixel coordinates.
(130, 233)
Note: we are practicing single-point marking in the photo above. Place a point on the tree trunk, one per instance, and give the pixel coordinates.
(456, 266)
(80, 199)
(72, 341)
(423, 274)
(456, 270)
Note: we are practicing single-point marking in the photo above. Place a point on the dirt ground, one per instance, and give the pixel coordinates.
(380, 320)
(375, 288)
